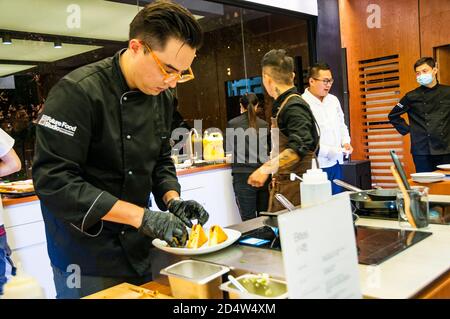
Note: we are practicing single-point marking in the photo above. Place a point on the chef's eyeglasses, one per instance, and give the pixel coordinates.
(325, 81)
(180, 77)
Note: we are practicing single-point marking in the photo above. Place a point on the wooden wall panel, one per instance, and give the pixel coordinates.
(398, 35)
(434, 25)
(443, 58)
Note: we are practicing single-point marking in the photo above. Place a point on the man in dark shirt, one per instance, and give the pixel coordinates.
(102, 146)
(428, 109)
(294, 144)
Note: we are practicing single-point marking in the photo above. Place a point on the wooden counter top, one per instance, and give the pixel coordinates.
(156, 286)
(194, 169)
(8, 201)
(440, 188)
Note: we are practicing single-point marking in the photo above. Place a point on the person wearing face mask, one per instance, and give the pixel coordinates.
(334, 136)
(102, 148)
(247, 138)
(428, 109)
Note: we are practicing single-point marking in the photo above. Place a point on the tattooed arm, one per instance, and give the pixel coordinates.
(286, 158)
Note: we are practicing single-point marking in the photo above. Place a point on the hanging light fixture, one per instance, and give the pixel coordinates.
(7, 39)
(58, 44)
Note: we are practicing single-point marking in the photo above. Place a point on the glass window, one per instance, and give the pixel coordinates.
(44, 40)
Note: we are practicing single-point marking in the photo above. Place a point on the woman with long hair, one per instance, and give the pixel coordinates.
(247, 138)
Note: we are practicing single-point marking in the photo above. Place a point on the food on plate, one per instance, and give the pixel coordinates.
(197, 237)
(262, 285)
(183, 240)
(216, 235)
(17, 187)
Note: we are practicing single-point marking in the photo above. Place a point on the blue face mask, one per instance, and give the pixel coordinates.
(425, 79)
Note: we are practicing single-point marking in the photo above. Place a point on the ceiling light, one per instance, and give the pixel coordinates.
(7, 39)
(58, 44)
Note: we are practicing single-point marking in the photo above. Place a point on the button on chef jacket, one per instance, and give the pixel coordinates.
(97, 142)
(428, 111)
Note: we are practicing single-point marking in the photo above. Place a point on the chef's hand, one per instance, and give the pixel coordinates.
(348, 148)
(186, 210)
(165, 226)
(258, 178)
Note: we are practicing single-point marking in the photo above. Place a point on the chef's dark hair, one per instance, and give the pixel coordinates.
(161, 20)
(280, 65)
(425, 60)
(249, 101)
(313, 71)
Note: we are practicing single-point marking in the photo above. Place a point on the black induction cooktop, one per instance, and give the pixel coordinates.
(375, 245)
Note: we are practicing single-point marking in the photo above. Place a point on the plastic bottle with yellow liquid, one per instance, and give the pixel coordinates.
(213, 146)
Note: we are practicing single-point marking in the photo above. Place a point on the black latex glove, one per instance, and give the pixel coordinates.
(188, 210)
(165, 226)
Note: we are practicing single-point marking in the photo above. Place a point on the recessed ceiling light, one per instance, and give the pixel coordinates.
(58, 44)
(7, 39)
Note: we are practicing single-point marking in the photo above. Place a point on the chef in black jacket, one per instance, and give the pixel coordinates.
(103, 146)
(428, 109)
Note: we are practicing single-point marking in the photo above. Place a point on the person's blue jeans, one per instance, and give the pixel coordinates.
(250, 200)
(2, 262)
(334, 172)
(5, 252)
(64, 283)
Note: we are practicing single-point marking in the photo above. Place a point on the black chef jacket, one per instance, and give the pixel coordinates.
(97, 142)
(429, 119)
(297, 122)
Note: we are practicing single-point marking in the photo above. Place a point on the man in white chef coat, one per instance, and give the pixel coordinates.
(334, 135)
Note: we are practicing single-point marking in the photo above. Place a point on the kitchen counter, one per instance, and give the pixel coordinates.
(195, 169)
(410, 274)
(8, 201)
(211, 185)
(442, 187)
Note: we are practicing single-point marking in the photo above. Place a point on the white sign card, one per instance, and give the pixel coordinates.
(319, 251)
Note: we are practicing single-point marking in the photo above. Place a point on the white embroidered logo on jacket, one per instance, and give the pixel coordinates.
(56, 125)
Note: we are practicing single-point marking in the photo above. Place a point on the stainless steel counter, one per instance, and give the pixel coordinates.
(241, 259)
(427, 260)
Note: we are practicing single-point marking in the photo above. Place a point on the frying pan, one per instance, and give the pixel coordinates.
(374, 194)
(362, 201)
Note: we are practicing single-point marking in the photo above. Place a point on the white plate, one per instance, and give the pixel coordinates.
(427, 181)
(445, 167)
(427, 177)
(232, 234)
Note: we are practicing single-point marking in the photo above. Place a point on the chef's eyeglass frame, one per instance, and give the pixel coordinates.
(179, 77)
(325, 81)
